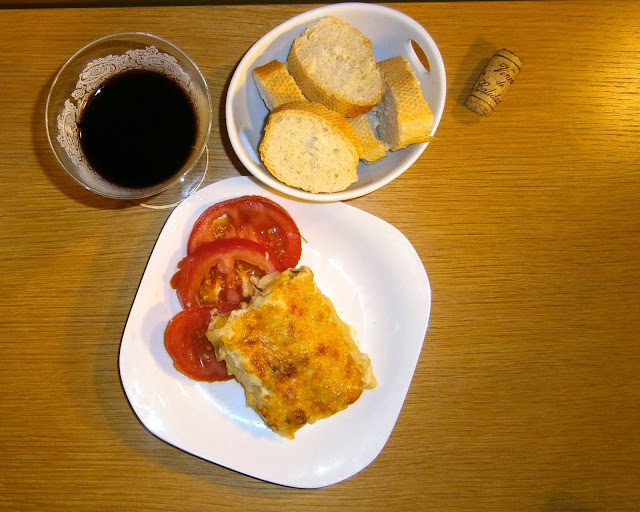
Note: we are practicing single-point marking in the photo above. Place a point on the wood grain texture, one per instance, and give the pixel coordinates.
(526, 395)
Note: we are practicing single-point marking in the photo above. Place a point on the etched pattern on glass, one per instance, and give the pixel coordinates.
(95, 74)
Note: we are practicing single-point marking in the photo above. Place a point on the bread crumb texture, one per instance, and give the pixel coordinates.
(333, 64)
(310, 147)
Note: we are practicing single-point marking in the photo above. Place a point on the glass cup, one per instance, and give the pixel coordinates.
(82, 78)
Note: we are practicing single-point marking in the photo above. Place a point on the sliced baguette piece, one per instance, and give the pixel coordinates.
(308, 146)
(333, 63)
(404, 115)
(373, 149)
(275, 85)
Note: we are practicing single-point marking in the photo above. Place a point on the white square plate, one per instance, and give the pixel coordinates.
(378, 284)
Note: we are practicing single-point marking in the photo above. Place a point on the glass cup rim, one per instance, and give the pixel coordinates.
(147, 191)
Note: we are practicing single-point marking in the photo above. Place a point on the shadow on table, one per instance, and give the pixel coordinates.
(471, 66)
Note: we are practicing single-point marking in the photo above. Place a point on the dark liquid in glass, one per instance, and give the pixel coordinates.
(138, 129)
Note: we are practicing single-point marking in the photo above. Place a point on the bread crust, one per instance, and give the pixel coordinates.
(275, 85)
(373, 149)
(405, 116)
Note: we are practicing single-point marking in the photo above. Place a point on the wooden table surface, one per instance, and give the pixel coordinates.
(527, 392)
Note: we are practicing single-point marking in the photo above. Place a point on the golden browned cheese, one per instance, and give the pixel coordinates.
(291, 352)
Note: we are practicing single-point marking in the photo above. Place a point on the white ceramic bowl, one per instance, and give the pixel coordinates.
(391, 33)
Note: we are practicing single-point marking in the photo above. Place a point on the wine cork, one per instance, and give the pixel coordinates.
(490, 87)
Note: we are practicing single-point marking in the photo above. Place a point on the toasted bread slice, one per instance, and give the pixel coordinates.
(275, 85)
(308, 146)
(404, 115)
(333, 63)
(291, 352)
(373, 149)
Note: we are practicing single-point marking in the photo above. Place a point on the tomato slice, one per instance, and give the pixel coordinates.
(220, 272)
(187, 344)
(254, 218)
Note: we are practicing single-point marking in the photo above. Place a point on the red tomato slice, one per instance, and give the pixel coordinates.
(188, 346)
(254, 218)
(220, 272)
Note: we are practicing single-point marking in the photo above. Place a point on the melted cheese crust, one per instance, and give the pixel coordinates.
(291, 352)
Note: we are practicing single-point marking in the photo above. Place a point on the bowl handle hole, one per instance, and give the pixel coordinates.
(421, 56)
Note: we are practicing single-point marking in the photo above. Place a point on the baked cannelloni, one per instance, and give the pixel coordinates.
(291, 352)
